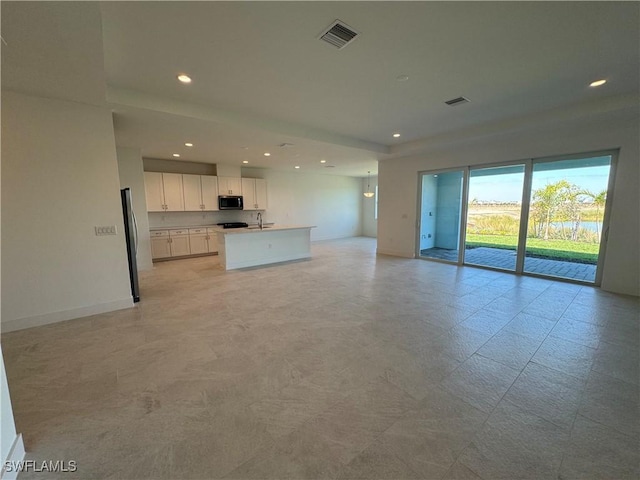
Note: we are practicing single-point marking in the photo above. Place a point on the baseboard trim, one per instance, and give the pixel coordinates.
(395, 253)
(16, 454)
(54, 317)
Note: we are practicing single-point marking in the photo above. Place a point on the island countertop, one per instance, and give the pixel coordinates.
(266, 229)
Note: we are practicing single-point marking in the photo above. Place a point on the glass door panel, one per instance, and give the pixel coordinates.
(493, 216)
(440, 214)
(566, 217)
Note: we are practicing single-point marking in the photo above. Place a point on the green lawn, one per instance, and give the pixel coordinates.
(552, 249)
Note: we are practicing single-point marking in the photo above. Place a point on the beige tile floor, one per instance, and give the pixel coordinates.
(345, 366)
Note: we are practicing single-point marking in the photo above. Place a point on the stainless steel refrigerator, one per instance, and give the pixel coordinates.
(131, 235)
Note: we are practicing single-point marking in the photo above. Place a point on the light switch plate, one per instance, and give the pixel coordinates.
(107, 230)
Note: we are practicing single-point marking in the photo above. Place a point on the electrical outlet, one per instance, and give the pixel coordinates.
(106, 230)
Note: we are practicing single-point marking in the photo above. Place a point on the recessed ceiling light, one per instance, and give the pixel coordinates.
(396, 135)
(188, 144)
(184, 78)
(323, 161)
(267, 154)
(176, 154)
(402, 78)
(245, 161)
(597, 83)
(297, 166)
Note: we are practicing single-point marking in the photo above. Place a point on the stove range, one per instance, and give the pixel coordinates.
(233, 225)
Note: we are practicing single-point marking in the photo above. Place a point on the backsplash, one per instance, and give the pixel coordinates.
(188, 219)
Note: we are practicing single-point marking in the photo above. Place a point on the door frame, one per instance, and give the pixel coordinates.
(462, 226)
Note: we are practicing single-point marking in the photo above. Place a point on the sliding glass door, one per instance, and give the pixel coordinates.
(566, 217)
(544, 217)
(440, 213)
(493, 216)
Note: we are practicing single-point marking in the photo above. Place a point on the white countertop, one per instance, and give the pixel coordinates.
(182, 227)
(274, 228)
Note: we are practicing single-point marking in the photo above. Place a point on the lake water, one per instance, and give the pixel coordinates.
(593, 226)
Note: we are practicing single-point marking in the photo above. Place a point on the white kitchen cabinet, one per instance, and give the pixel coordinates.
(199, 243)
(164, 192)
(179, 242)
(200, 192)
(209, 185)
(254, 192)
(160, 244)
(204, 240)
(183, 242)
(261, 194)
(154, 191)
(198, 240)
(229, 186)
(192, 192)
(173, 192)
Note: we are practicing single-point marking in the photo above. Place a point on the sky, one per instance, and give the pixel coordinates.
(508, 187)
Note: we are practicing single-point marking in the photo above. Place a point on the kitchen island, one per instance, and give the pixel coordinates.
(249, 247)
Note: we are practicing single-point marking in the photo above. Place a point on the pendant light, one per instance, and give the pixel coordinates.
(369, 193)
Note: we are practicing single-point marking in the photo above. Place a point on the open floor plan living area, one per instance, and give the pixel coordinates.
(349, 365)
(374, 240)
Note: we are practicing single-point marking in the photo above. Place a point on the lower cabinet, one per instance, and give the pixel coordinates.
(183, 242)
(160, 244)
(179, 242)
(199, 243)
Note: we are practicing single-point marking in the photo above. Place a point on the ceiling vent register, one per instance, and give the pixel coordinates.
(457, 101)
(338, 34)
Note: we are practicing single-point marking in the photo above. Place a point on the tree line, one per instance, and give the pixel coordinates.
(563, 202)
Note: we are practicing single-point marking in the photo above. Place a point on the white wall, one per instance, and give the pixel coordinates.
(11, 445)
(59, 180)
(132, 176)
(332, 203)
(369, 222)
(398, 183)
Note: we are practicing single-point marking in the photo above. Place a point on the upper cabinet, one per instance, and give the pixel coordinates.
(209, 192)
(254, 192)
(177, 192)
(200, 192)
(229, 186)
(164, 192)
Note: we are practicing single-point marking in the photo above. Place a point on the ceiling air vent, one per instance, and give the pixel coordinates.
(457, 101)
(338, 34)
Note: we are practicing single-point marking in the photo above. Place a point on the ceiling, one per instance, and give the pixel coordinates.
(262, 78)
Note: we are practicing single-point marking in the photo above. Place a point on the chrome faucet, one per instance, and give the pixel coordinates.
(260, 220)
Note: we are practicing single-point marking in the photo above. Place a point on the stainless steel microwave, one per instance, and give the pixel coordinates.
(230, 202)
